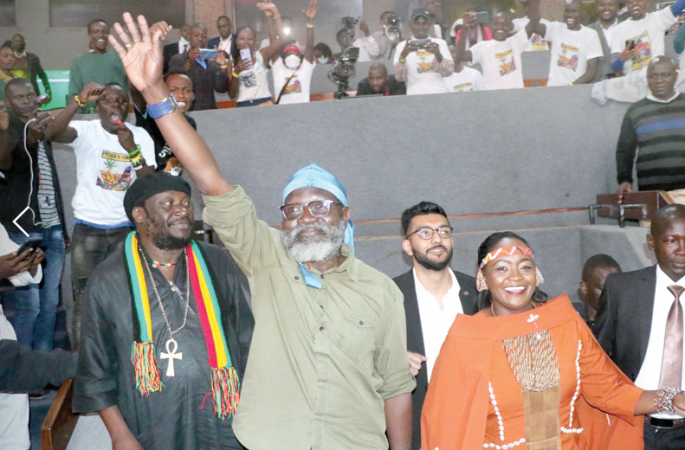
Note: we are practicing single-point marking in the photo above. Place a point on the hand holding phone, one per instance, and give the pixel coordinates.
(419, 43)
(246, 57)
(32, 242)
(208, 53)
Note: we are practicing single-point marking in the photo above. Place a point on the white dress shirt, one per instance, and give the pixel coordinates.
(650, 372)
(436, 323)
(183, 46)
(225, 44)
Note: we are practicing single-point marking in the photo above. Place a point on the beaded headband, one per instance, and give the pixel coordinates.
(500, 253)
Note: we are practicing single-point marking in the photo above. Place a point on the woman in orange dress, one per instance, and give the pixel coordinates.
(527, 373)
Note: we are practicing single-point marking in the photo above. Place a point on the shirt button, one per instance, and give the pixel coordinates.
(321, 306)
(361, 322)
(322, 276)
(320, 328)
(297, 278)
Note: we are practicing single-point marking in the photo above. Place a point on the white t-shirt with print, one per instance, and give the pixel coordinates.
(571, 50)
(297, 90)
(104, 171)
(467, 80)
(536, 42)
(501, 61)
(422, 69)
(648, 35)
(254, 84)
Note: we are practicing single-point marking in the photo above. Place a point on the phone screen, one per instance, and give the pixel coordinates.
(208, 53)
(481, 17)
(246, 56)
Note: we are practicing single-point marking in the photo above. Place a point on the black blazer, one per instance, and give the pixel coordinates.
(624, 321)
(168, 52)
(467, 295)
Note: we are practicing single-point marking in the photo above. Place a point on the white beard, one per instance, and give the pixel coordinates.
(314, 248)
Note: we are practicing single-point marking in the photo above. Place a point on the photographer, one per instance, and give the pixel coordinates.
(378, 45)
(293, 70)
(422, 61)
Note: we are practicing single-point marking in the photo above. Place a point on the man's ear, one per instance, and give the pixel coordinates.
(347, 214)
(406, 246)
(650, 242)
(139, 214)
(583, 288)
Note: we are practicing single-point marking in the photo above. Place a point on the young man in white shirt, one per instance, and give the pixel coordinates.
(640, 39)
(422, 61)
(576, 49)
(536, 42)
(637, 325)
(433, 295)
(110, 155)
(292, 70)
(464, 79)
(500, 58)
(605, 26)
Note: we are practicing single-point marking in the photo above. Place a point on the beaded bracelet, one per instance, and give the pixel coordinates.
(135, 152)
(78, 101)
(664, 400)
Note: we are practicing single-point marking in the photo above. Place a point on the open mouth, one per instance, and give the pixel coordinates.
(115, 118)
(516, 290)
(181, 105)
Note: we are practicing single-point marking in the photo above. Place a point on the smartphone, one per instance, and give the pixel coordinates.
(482, 17)
(630, 44)
(420, 43)
(32, 242)
(246, 56)
(207, 53)
(41, 99)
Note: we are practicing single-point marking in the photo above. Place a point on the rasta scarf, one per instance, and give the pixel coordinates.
(225, 383)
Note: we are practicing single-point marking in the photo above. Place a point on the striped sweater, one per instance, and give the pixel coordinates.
(657, 131)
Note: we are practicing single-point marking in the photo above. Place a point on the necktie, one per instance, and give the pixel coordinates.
(672, 362)
(185, 48)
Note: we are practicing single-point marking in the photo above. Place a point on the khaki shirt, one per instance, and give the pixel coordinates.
(322, 361)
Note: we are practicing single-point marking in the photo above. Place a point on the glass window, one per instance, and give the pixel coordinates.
(8, 15)
(78, 13)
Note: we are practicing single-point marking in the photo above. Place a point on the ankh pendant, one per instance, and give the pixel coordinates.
(171, 355)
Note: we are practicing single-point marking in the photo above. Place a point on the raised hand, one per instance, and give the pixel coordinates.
(90, 92)
(269, 9)
(311, 11)
(126, 138)
(36, 130)
(140, 55)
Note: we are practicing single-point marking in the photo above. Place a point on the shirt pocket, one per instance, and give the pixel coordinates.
(358, 338)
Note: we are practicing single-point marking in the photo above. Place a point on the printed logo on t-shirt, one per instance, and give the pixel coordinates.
(507, 63)
(568, 58)
(643, 48)
(115, 173)
(248, 80)
(468, 86)
(427, 62)
(169, 162)
(294, 87)
(537, 43)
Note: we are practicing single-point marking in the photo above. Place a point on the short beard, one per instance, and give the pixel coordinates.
(314, 248)
(164, 240)
(433, 265)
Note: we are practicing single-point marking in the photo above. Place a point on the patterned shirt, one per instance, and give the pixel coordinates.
(46, 191)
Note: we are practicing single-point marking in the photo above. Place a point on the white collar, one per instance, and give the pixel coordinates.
(182, 41)
(230, 36)
(23, 55)
(664, 280)
(669, 100)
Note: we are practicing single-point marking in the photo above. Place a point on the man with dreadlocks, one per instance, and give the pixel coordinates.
(166, 330)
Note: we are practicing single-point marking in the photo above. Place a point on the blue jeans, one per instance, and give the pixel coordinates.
(35, 309)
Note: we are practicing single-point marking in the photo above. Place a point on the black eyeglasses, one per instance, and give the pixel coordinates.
(319, 208)
(427, 232)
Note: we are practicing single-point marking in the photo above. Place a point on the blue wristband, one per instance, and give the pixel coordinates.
(163, 108)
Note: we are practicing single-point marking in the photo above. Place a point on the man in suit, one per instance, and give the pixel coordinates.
(433, 295)
(641, 318)
(177, 48)
(226, 39)
(608, 11)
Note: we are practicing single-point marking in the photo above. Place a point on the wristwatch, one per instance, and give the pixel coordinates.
(166, 106)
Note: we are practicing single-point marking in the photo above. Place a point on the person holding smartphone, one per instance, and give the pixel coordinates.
(473, 26)
(207, 74)
(422, 61)
(249, 82)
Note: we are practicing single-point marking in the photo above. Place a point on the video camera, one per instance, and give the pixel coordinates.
(349, 23)
(393, 32)
(343, 70)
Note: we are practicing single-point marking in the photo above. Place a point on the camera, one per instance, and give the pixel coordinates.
(343, 70)
(393, 31)
(393, 21)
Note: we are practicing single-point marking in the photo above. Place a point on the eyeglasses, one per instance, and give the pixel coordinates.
(427, 232)
(319, 208)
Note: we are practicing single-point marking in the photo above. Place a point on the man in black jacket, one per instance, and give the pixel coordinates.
(30, 193)
(27, 65)
(380, 83)
(433, 295)
(638, 323)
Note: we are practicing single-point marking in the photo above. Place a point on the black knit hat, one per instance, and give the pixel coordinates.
(149, 186)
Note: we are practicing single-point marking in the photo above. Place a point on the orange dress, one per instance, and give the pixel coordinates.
(472, 374)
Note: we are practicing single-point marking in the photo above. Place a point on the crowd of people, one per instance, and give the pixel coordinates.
(287, 340)
(433, 59)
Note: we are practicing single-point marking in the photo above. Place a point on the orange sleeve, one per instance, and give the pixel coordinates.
(603, 384)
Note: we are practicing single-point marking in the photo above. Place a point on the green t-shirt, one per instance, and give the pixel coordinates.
(95, 68)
